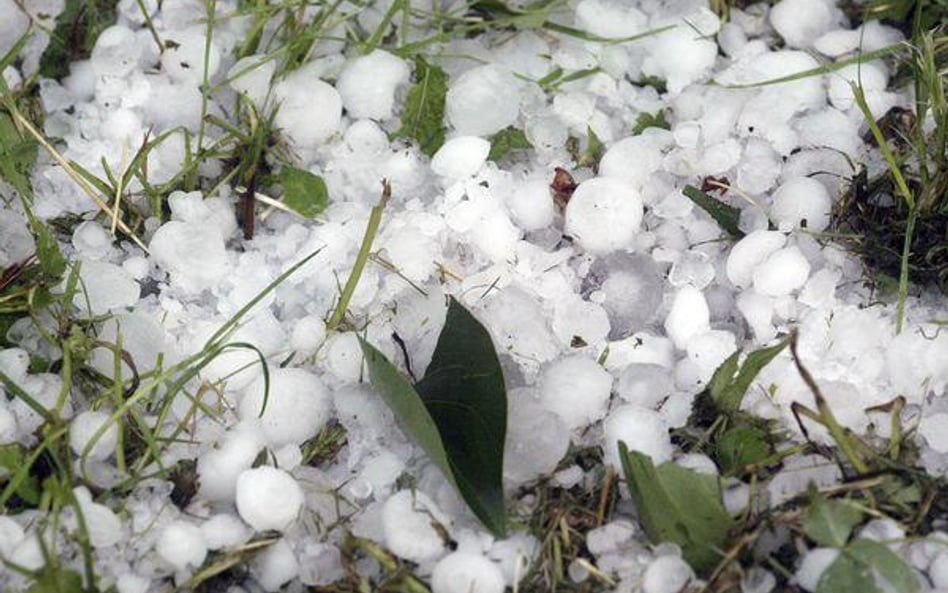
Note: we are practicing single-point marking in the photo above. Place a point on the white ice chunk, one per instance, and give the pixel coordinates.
(607, 18)
(294, 409)
(635, 158)
(192, 253)
(408, 520)
(577, 389)
(367, 84)
(813, 565)
(460, 157)
(105, 287)
(531, 205)
(268, 498)
(116, 52)
(801, 22)
(224, 530)
(667, 574)
(84, 430)
(749, 252)
(537, 439)
(275, 566)
(801, 202)
(783, 271)
(310, 109)
(91, 240)
(689, 316)
(219, 467)
(642, 430)
(466, 572)
(251, 76)
(604, 214)
(871, 76)
(103, 526)
(184, 60)
(182, 545)
(483, 100)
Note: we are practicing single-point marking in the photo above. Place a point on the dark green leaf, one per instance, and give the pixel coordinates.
(847, 574)
(17, 155)
(740, 447)
(303, 191)
(423, 116)
(505, 141)
(678, 505)
(830, 522)
(726, 216)
(51, 259)
(728, 384)
(463, 390)
(457, 413)
(885, 563)
(596, 149)
(648, 120)
(56, 579)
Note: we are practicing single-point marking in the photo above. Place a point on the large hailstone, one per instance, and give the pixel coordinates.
(268, 498)
(482, 101)
(801, 202)
(293, 410)
(192, 253)
(604, 214)
(367, 84)
(577, 389)
(310, 110)
(408, 524)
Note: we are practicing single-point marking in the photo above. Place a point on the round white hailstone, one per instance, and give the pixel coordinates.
(192, 253)
(576, 389)
(91, 240)
(460, 158)
(604, 214)
(84, 427)
(275, 566)
(8, 425)
(251, 77)
(646, 385)
(344, 356)
(801, 202)
(801, 22)
(758, 312)
(736, 497)
(218, 468)
(130, 582)
(308, 335)
(709, 349)
(106, 287)
(482, 101)
(116, 52)
(184, 60)
(122, 126)
(407, 525)
(224, 531)
(634, 159)
(310, 110)
(29, 553)
(932, 429)
(749, 252)
(295, 409)
(680, 57)
(536, 439)
(530, 205)
(782, 272)
(871, 76)
(666, 574)
(610, 19)
(577, 318)
(11, 536)
(15, 363)
(466, 572)
(698, 463)
(641, 429)
(268, 498)
(367, 84)
(814, 564)
(689, 316)
(938, 570)
(104, 527)
(182, 545)
(837, 42)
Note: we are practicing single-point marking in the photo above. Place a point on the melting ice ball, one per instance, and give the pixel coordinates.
(604, 214)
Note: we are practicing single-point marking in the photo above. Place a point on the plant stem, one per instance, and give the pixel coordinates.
(375, 218)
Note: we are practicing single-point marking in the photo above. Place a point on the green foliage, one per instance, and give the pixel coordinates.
(727, 217)
(17, 155)
(77, 28)
(423, 116)
(507, 140)
(729, 383)
(857, 566)
(830, 522)
(304, 192)
(457, 413)
(56, 579)
(679, 505)
(741, 446)
(649, 120)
